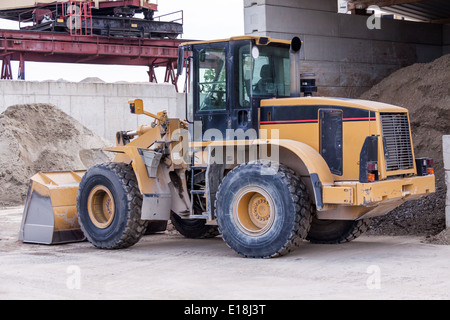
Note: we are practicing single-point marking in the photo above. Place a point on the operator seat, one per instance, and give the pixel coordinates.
(265, 84)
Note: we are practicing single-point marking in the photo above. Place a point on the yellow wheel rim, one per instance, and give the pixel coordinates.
(101, 207)
(254, 211)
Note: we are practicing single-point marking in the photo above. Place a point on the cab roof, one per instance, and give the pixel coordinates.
(259, 40)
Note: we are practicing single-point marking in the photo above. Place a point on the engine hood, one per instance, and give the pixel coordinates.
(343, 102)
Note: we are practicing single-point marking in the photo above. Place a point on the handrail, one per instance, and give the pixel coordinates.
(172, 13)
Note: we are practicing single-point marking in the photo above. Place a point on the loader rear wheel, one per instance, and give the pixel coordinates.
(155, 227)
(263, 213)
(193, 229)
(109, 206)
(336, 231)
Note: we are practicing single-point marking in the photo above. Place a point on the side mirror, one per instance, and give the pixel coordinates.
(180, 63)
(202, 56)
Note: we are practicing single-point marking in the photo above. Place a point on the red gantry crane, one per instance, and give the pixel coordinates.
(94, 32)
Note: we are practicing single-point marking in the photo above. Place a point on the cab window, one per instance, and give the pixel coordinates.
(271, 74)
(212, 79)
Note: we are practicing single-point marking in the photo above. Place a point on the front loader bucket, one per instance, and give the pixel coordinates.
(50, 213)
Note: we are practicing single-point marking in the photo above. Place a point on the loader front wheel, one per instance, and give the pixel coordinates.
(109, 206)
(263, 212)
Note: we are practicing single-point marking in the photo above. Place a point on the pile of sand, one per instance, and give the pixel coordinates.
(41, 137)
(424, 89)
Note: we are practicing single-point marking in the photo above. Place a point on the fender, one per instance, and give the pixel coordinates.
(154, 185)
(130, 154)
(306, 162)
(300, 157)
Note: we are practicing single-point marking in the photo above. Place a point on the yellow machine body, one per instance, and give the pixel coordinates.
(297, 132)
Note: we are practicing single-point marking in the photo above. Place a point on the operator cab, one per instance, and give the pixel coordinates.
(227, 80)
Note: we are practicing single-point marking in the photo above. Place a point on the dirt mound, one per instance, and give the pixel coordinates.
(442, 237)
(41, 137)
(424, 89)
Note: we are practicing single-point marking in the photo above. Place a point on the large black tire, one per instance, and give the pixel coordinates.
(155, 227)
(263, 215)
(193, 229)
(109, 206)
(336, 231)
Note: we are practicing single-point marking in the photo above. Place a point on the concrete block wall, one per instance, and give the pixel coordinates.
(101, 107)
(347, 57)
(446, 156)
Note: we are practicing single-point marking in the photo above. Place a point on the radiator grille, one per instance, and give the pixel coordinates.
(397, 141)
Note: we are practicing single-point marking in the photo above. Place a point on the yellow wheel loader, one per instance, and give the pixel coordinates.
(258, 160)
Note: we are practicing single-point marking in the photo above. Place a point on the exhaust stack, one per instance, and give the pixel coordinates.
(296, 45)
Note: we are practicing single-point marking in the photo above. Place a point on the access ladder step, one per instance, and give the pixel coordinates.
(198, 191)
(199, 216)
(200, 167)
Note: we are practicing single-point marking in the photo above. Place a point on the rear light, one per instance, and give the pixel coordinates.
(372, 171)
(424, 166)
(372, 166)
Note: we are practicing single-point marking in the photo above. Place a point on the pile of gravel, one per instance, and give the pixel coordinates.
(423, 89)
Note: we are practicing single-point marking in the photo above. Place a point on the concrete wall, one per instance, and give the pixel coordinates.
(101, 107)
(347, 57)
(446, 155)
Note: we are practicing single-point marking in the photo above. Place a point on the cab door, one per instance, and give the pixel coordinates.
(211, 105)
(243, 114)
